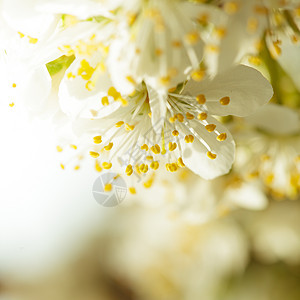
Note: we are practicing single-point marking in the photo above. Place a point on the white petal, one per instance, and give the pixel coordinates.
(246, 87)
(22, 16)
(158, 108)
(276, 119)
(246, 196)
(195, 154)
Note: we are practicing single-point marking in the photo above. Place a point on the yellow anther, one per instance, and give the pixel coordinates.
(150, 115)
(145, 147)
(220, 32)
(32, 40)
(252, 25)
(148, 183)
(106, 165)
(198, 75)
(129, 170)
(59, 148)
(192, 37)
(97, 139)
(70, 75)
(180, 117)
(265, 157)
(149, 157)
(108, 147)
(172, 119)
(21, 34)
(175, 133)
(172, 167)
(113, 93)
(222, 137)
(123, 101)
(107, 187)
(143, 168)
(163, 151)
(211, 155)
(212, 48)
(131, 80)
(62, 166)
(254, 60)
(202, 116)
(129, 127)
(261, 10)
(225, 100)
(119, 124)
(154, 165)
(201, 99)
(90, 85)
(165, 80)
(12, 104)
(155, 149)
(180, 162)
(176, 44)
(210, 127)
(158, 52)
(277, 48)
(94, 154)
(73, 147)
(98, 167)
(189, 138)
(189, 116)
(132, 190)
(172, 146)
(85, 70)
(231, 7)
(203, 19)
(76, 168)
(105, 101)
(14, 85)
(269, 179)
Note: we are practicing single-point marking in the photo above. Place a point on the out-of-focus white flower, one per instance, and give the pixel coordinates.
(269, 147)
(145, 129)
(246, 25)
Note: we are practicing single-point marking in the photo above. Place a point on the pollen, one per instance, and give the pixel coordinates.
(59, 148)
(94, 154)
(129, 170)
(143, 168)
(225, 100)
(202, 116)
(172, 146)
(180, 117)
(189, 116)
(98, 167)
(175, 133)
(119, 124)
(129, 127)
(189, 138)
(198, 75)
(107, 187)
(210, 127)
(108, 147)
(192, 37)
(97, 139)
(180, 162)
(105, 101)
(155, 149)
(222, 137)
(73, 146)
(154, 165)
(132, 190)
(32, 40)
(211, 155)
(201, 99)
(145, 147)
(107, 165)
(231, 7)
